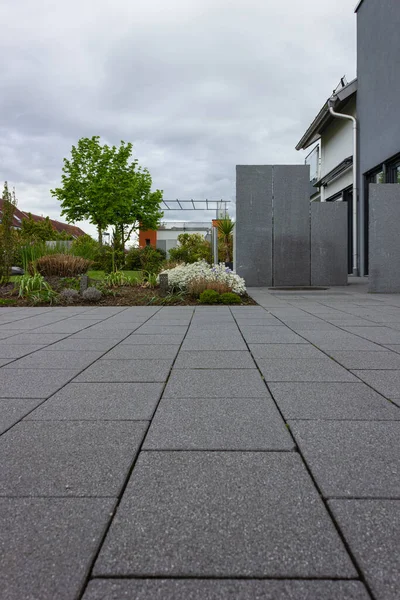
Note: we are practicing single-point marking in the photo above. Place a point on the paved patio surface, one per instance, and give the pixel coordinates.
(208, 453)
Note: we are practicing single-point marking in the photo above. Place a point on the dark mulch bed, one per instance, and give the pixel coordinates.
(122, 296)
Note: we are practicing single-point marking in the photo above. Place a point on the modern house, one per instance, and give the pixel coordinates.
(166, 237)
(331, 159)
(58, 226)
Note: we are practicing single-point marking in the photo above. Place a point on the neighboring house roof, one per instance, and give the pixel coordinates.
(58, 226)
(324, 118)
(341, 168)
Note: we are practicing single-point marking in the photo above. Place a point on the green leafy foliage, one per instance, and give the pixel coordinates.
(42, 230)
(36, 289)
(147, 259)
(225, 231)
(209, 297)
(7, 235)
(105, 186)
(230, 298)
(192, 247)
(115, 279)
(86, 247)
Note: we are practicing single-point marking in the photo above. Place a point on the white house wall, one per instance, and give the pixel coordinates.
(172, 234)
(339, 184)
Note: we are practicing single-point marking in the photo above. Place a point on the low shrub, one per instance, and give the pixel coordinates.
(147, 259)
(60, 265)
(30, 284)
(92, 294)
(209, 297)
(116, 279)
(69, 295)
(230, 298)
(199, 285)
(191, 248)
(86, 247)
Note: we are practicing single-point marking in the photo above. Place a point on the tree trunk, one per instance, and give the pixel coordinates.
(122, 239)
(100, 234)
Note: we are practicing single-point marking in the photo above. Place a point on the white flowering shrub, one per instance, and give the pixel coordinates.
(180, 277)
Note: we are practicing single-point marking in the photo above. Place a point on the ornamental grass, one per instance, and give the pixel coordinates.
(60, 265)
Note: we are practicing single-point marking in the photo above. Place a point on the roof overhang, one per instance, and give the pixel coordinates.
(358, 5)
(341, 168)
(324, 117)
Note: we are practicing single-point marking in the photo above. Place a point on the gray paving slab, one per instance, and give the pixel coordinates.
(372, 531)
(95, 334)
(142, 351)
(217, 383)
(329, 401)
(300, 326)
(49, 544)
(224, 514)
(68, 458)
(285, 351)
(385, 360)
(357, 459)
(17, 350)
(101, 401)
(214, 342)
(303, 369)
(67, 326)
(257, 322)
(214, 359)
(32, 383)
(386, 383)
(214, 589)
(272, 335)
(47, 359)
(81, 344)
(121, 326)
(332, 340)
(5, 361)
(151, 370)
(36, 338)
(380, 335)
(393, 347)
(218, 424)
(152, 340)
(14, 409)
(5, 334)
(151, 329)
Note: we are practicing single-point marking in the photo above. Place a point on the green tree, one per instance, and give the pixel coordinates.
(7, 234)
(192, 247)
(38, 230)
(105, 186)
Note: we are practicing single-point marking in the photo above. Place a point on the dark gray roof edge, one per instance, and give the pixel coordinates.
(358, 5)
(312, 133)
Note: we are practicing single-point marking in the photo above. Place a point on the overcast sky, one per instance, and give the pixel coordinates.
(197, 86)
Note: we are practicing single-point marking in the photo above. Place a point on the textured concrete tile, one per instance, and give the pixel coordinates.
(386, 383)
(12, 410)
(303, 369)
(5, 361)
(80, 344)
(214, 342)
(218, 383)
(218, 424)
(372, 531)
(5, 334)
(97, 401)
(393, 347)
(352, 458)
(170, 322)
(300, 326)
(153, 339)
(36, 338)
(257, 322)
(68, 458)
(367, 360)
(214, 589)
(380, 335)
(285, 351)
(128, 351)
(332, 340)
(332, 401)
(127, 370)
(49, 544)
(31, 383)
(47, 359)
(17, 350)
(207, 514)
(272, 335)
(214, 360)
(148, 328)
(67, 326)
(90, 333)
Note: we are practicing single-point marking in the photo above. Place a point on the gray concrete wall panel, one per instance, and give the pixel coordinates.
(254, 224)
(329, 243)
(384, 244)
(291, 206)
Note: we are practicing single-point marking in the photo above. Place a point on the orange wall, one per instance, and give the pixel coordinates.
(147, 235)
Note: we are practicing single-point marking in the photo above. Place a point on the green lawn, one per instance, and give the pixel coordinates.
(101, 274)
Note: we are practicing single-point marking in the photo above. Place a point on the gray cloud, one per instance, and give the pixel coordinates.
(197, 86)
